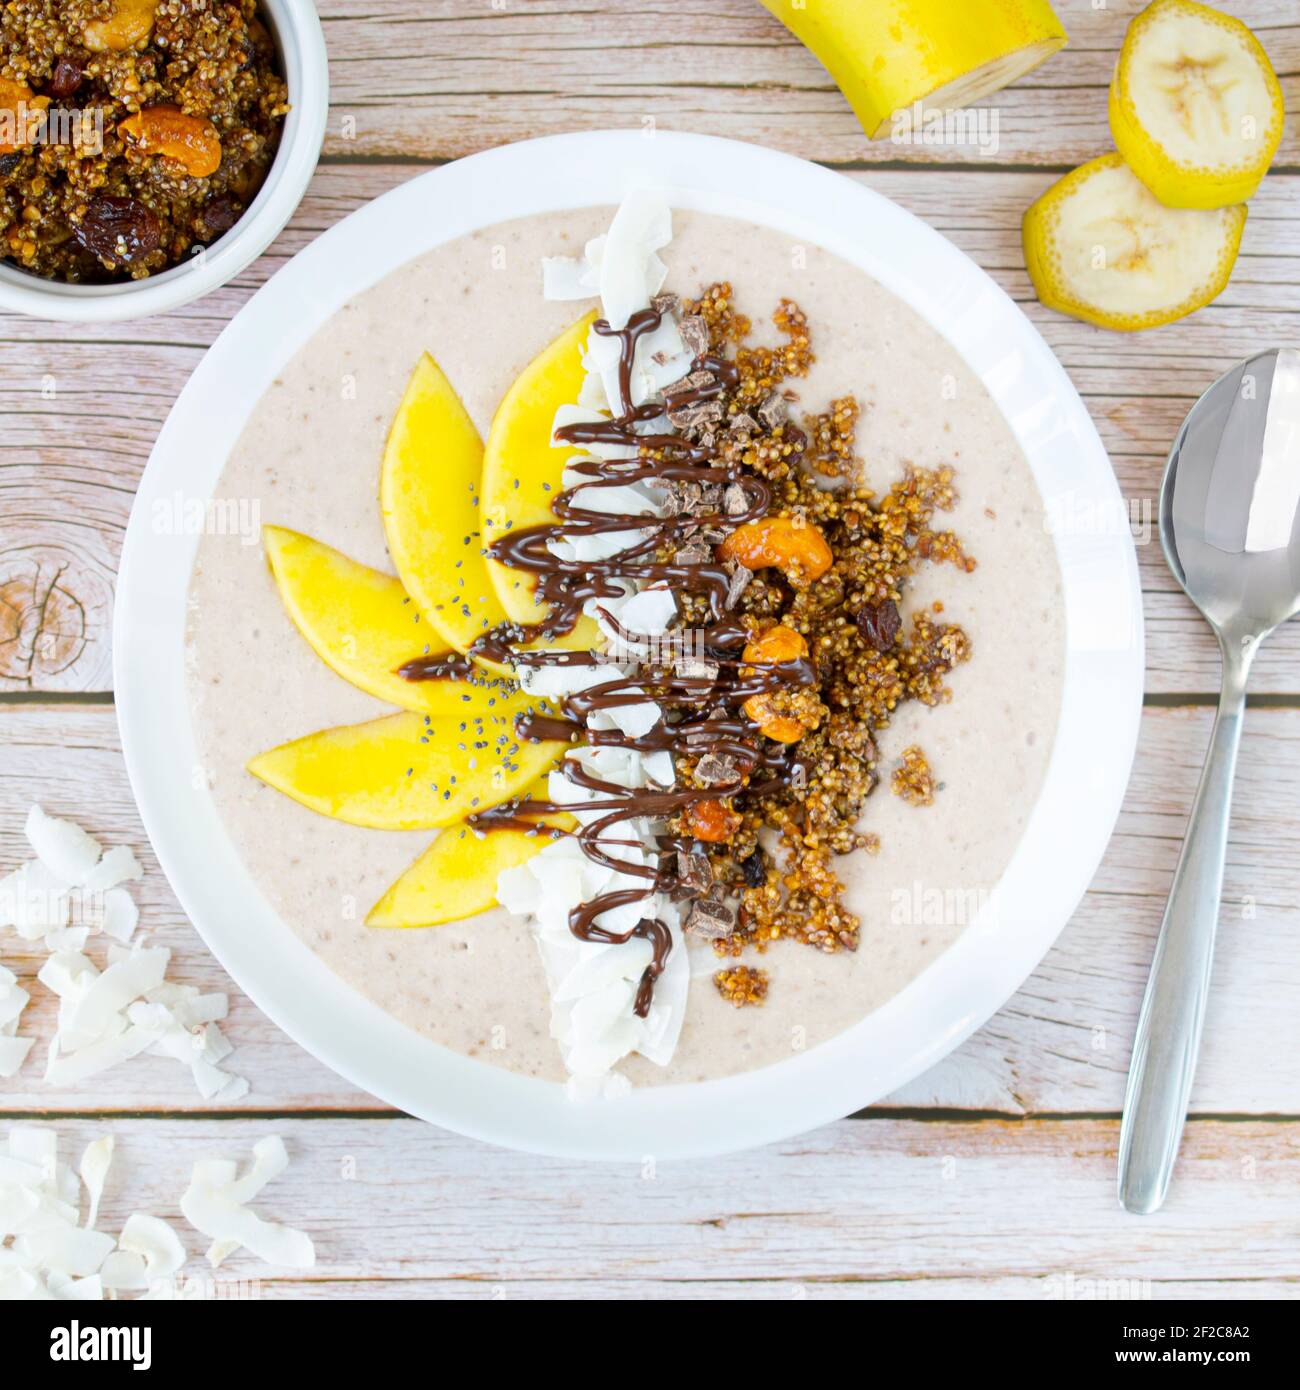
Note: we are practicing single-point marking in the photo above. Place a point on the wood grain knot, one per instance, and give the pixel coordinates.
(49, 609)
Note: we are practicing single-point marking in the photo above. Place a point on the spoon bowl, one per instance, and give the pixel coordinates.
(1230, 498)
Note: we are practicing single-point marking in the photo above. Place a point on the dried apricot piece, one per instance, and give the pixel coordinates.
(129, 23)
(22, 113)
(788, 543)
(775, 645)
(768, 710)
(167, 130)
(714, 821)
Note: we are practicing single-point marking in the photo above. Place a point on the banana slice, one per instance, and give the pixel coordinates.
(1100, 246)
(1195, 107)
(889, 56)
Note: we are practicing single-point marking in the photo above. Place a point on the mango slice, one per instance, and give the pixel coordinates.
(522, 470)
(413, 771)
(887, 55)
(1195, 106)
(456, 877)
(428, 495)
(360, 622)
(1101, 247)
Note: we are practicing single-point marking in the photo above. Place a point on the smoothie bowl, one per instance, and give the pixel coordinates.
(638, 706)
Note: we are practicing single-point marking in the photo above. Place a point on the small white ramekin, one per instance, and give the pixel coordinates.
(297, 32)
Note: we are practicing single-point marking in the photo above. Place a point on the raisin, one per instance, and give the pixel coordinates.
(9, 162)
(219, 214)
(879, 624)
(753, 869)
(118, 230)
(67, 77)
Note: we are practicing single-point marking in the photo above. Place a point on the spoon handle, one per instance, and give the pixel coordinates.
(1173, 1008)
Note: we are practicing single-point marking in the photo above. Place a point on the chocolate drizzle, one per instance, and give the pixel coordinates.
(701, 713)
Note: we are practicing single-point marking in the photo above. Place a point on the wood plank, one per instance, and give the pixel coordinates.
(993, 1288)
(886, 1207)
(80, 406)
(1060, 1045)
(463, 78)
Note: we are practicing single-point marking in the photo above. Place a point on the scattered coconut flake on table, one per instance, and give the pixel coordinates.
(13, 1000)
(46, 1251)
(105, 1017)
(65, 849)
(216, 1203)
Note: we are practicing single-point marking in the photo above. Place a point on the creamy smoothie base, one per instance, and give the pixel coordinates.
(309, 459)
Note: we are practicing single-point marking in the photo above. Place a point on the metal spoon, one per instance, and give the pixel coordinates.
(1230, 528)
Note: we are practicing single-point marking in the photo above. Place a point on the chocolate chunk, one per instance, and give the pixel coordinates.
(694, 872)
(714, 771)
(695, 335)
(693, 668)
(688, 495)
(692, 555)
(665, 304)
(879, 623)
(695, 381)
(773, 411)
(734, 500)
(743, 424)
(711, 918)
(699, 415)
(740, 578)
(754, 870)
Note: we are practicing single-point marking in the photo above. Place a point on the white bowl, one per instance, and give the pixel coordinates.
(1068, 828)
(296, 29)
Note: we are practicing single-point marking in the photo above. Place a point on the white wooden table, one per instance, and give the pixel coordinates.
(992, 1175)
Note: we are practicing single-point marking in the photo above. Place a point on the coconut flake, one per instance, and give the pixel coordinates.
(123, 1272)
(90, 1061)
(119, 865)
(33, 901)
(566, 277)
(13, 1000)
(153, 1240)
(215, 1203)
(95, 1163)
(65, 849)
(89, 1016)
(631, 274)
(121, 915)
(13, 1053)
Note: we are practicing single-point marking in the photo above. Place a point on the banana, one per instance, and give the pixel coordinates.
(1195, 107)
(887, 55)
(1101, 247)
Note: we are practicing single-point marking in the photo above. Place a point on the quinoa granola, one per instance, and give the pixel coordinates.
(771, 849)
(180, 111)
